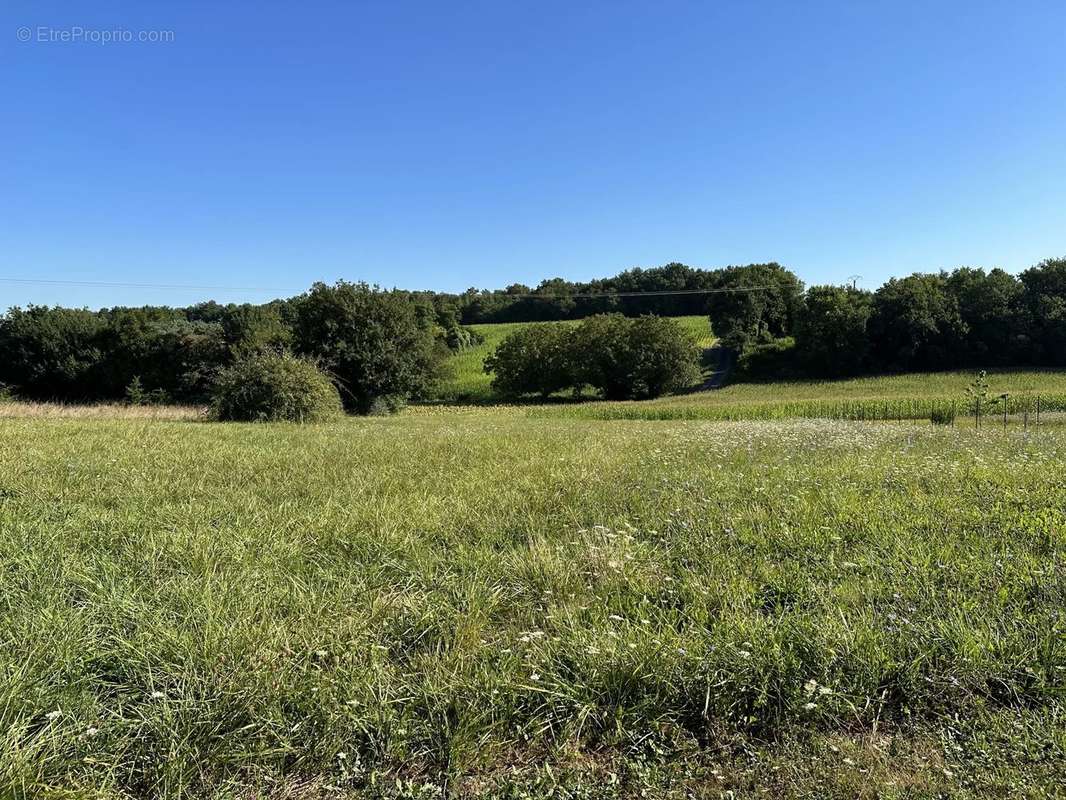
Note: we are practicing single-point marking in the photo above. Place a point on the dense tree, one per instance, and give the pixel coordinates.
(387, 346)
(990, 307)
(916, 324)
(752, 304)
(50, 353)
(831, 335)
(374, 342)
(533, 360)
(626, 358)
(620, 357)
(1045, 305)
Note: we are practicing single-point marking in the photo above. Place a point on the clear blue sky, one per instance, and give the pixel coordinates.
(445, 145)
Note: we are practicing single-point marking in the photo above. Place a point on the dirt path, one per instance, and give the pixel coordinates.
(724, 360)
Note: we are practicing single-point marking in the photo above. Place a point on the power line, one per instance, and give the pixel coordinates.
(498, 293)
(655, 293)
(118, 285)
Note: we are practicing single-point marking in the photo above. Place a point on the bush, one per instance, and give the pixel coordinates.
(768, 360)
(459, 338)
(651, 357)
(271, 387)
(622, 358)
(627, 359)
(942, 415)
(533, 360)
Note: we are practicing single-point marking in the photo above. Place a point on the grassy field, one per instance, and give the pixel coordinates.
(468, 382)
(481, 604)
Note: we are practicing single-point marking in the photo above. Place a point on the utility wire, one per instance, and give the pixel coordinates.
(497, 293)
(117, 285)
(655, 293)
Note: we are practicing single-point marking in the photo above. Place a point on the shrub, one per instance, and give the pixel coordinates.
(634, 358)
(271, 387)
(768, 360)
(459, 338)
(533, 360)
(942, 415)
(622, 358)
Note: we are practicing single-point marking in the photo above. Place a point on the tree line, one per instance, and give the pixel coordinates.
(383, 347)
(380, 347)
(934, 321)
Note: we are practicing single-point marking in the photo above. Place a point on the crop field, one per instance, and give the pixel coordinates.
(481, 604)
(468, 382)
(892, 397)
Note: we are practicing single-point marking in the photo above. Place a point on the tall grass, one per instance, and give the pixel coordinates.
(476, 604)
(19, 408)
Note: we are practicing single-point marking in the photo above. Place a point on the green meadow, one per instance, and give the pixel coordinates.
(483, 604)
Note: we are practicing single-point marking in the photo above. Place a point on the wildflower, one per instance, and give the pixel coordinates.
(158, 695)
(51, 715)
(810, 706)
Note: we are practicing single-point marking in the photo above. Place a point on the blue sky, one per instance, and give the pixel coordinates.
(449, 145)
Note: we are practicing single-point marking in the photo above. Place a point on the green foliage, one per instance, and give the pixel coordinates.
(620, 357)
(137, 395)
(467, 381)
(50, 353)
(978, 395)
(374, 342)
(768, 360)
(275, 387)
(943, 415)
(991, 309)
(536, 359)
(831, 331)
(460, 338)
(916, 324)
(1045, 301)
(394, 344)
(625, 358)
(761, 304)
